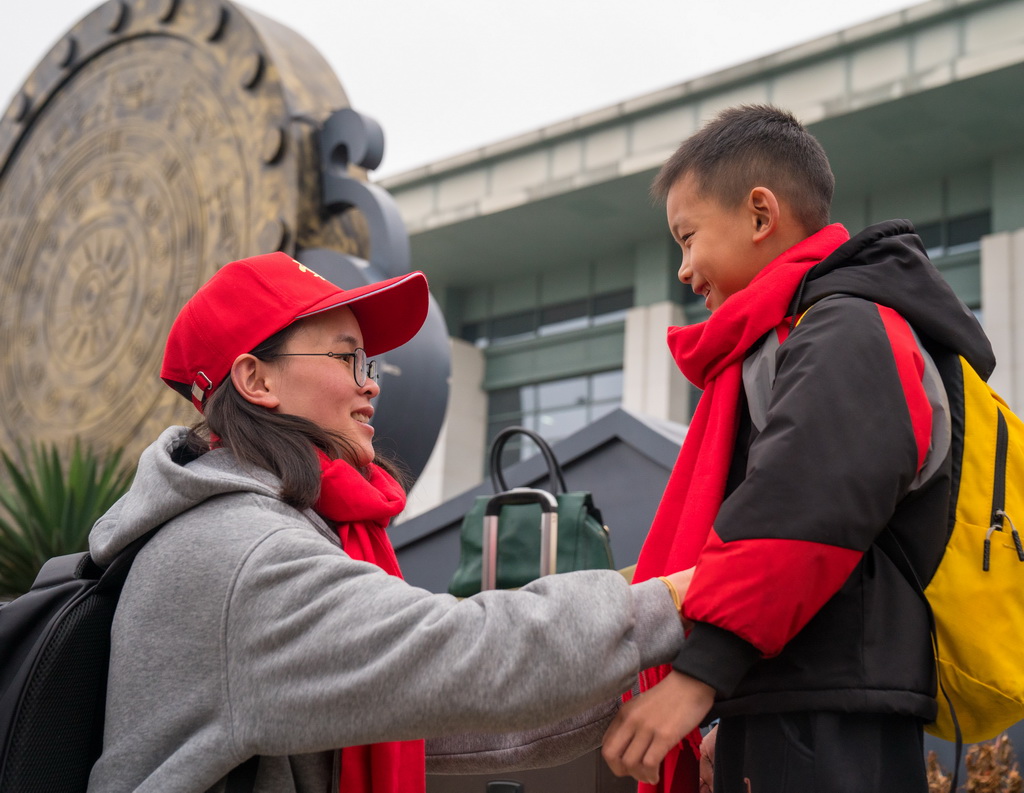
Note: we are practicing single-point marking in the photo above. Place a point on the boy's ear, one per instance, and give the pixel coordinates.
(764, 213)
(249, 375)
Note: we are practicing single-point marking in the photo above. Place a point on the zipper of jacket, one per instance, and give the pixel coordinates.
(336, 775)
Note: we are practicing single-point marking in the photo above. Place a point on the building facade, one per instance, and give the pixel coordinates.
(557, 274)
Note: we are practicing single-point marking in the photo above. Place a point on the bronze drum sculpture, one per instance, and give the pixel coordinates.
(157, 140)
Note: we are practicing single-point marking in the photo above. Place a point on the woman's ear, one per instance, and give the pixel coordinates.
(764, 212)
(249, 376)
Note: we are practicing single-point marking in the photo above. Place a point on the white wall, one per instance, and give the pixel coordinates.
(457, 462)
(652, 383)
(1002, 298)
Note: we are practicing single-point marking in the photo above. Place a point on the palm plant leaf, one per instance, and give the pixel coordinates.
(47, 509)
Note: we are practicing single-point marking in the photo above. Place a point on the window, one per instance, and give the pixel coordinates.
(514, 326)
(951, 236)
(563, 318)
(554, 409)
(549, 320)
(954, 245)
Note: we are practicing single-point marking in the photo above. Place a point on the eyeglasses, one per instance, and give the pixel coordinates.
(362, 369)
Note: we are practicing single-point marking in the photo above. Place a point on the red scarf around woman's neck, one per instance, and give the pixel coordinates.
(360, 507)
(711, 355)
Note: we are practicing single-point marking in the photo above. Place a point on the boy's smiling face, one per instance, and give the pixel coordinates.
(720, 251)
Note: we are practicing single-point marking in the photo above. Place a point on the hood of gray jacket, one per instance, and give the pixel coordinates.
(169, 481)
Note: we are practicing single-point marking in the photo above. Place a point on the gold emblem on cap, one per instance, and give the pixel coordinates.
(305, 269)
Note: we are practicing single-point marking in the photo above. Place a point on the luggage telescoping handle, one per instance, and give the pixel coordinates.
(548, 531)
(554, 469)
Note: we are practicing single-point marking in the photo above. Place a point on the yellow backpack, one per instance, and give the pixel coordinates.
(976, 595)
(977, 592)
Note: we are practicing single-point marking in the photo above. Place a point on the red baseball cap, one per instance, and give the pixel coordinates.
(248, 301)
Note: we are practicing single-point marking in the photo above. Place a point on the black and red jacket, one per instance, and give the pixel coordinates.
(835, 456)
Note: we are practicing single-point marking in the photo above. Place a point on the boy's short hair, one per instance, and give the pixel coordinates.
(755, 145)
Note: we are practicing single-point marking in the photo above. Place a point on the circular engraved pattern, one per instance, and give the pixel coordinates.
(273, 145)
(149, 147)
(65, 51)
(20, 107)
(167, 10)
(274, 235)
(252, 70)
(116, 15)
(130, 190)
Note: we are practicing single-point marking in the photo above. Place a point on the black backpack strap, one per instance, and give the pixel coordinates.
(890, 546)
(116, 572)
(243, 778)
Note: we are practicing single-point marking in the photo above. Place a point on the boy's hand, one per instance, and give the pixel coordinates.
(707, 761)
(648, 726)
(681, 581)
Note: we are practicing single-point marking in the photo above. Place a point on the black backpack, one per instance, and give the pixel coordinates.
(54, 653)
(54, 650)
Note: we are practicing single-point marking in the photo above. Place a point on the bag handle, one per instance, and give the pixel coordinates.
(498, 444)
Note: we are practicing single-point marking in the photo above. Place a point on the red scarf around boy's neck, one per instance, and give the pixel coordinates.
(361, 507)
(711, 355)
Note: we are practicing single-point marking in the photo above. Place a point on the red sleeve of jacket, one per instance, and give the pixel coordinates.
(847, 430)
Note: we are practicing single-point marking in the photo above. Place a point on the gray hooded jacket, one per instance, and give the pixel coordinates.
(244, 630)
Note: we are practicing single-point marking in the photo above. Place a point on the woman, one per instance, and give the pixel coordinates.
(268, 617)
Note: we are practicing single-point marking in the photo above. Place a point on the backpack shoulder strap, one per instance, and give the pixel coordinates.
(116, 572)
(242, 779)
(891, 547)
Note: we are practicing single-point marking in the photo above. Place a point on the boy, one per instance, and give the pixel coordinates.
(809, 440)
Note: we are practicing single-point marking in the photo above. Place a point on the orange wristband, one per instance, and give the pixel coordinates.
(672, 590)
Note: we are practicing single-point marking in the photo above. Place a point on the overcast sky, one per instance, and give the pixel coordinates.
(448, 76)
